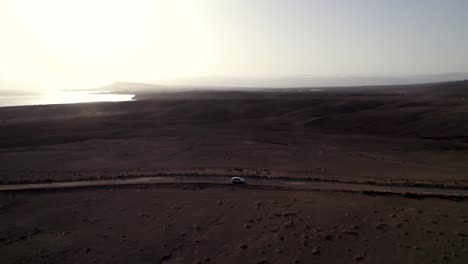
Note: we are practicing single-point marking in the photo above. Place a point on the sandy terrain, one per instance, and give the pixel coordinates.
(367, 140)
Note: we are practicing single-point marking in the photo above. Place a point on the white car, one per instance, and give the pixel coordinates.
(237, 180)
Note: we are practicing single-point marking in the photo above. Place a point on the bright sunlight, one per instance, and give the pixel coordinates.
(99, 34)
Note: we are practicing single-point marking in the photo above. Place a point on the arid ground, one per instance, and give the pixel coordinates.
(229, 225)
(411, 136)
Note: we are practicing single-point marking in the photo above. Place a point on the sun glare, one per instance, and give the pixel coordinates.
(105, 32)
(87, 30)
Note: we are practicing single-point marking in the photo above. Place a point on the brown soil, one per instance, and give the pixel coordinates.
(396, 135)
(379, 135)
(228, 225)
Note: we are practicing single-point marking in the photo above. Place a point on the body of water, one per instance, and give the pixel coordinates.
(63, 97)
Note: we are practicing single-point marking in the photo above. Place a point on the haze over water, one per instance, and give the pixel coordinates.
(62, 97)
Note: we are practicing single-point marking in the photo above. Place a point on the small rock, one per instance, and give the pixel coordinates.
(280, 237)
(358, 258)
(286, 214)
(381, 226)
(289, 224)
(316, 251)
(349, 232)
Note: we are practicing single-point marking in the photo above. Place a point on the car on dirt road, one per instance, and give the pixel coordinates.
(238, 180)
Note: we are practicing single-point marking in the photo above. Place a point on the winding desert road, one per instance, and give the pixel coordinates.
(255, 183)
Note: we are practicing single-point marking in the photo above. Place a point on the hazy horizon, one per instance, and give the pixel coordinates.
(244, 82)
(65, 44)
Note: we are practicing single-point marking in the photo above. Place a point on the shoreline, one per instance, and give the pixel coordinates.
(63, 98)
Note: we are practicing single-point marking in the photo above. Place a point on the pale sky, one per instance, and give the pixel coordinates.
(64, 44)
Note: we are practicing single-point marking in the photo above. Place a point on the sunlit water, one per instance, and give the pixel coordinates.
(63, 97)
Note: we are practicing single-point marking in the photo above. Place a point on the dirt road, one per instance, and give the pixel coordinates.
(255, 183)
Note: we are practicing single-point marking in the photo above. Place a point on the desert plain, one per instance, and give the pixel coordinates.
(373, 174)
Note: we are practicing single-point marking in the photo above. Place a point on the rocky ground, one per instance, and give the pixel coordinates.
(228, 225)
(397, 135)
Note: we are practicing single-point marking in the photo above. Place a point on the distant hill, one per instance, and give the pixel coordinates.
(134, 87)
(145, 88)
(131, 86)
